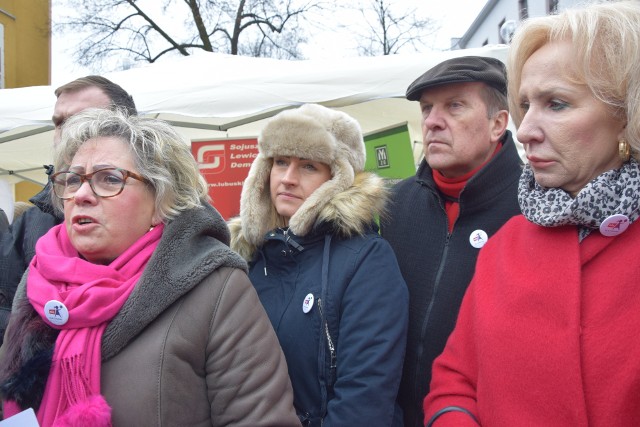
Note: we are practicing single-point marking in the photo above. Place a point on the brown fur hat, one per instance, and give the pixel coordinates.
(312, 132)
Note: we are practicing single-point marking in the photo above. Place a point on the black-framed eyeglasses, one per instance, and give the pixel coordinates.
(106, 182)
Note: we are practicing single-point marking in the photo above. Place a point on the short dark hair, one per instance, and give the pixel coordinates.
(120, 98)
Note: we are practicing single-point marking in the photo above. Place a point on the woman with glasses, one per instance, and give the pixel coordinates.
(134, 311)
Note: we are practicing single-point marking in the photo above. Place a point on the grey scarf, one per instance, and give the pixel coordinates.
(613, 192)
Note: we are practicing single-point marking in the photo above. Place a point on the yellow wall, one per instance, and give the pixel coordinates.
(27, 42)
(26, 190)
(27, 55)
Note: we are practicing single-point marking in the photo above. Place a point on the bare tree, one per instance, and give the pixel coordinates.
(391, 29)
(146, 30)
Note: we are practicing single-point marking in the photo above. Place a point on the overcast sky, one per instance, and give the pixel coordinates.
(455, 17)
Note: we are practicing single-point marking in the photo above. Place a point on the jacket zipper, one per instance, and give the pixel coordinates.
(426, 320)
(332, 349)
(289, 241)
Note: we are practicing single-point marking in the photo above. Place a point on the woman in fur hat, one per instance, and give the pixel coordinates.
(329, 283)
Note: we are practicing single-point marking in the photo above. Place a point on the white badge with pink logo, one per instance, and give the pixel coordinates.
(307, 304)
(614, 225)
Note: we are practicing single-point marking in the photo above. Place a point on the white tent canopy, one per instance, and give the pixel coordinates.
(214, 96)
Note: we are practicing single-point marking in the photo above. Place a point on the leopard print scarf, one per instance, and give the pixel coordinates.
(613, 192)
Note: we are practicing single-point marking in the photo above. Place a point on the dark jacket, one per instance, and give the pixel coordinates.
(18, 246)
(191, 346)
(438, 266)
(345, 354)
(4, 221)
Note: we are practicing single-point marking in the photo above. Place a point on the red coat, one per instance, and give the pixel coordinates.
(548, 333)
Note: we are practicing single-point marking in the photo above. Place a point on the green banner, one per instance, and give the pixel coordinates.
(389, 153)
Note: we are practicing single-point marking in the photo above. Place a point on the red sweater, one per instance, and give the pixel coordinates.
(547, 334)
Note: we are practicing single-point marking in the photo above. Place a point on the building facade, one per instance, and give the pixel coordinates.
(25, 60)
(25, 43)
(486, 28)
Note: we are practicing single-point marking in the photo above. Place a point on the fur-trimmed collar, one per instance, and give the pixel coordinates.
(350, 213)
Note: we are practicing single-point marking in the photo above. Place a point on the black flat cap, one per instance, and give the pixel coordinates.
(460, 70)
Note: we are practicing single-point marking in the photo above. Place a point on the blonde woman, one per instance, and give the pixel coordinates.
(330, 284)
(545, 335)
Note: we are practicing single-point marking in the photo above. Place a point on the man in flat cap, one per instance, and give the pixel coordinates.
(463, 191)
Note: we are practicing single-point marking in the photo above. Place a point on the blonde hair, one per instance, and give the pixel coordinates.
(605, 39)
(19, 208)
(161, 155)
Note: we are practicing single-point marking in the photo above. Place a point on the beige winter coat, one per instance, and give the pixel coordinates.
(191, 346)
(208, 360)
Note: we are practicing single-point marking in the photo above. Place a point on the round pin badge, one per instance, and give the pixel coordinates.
(614, 225)
(56, 312)
(307, 304)
(478, 238)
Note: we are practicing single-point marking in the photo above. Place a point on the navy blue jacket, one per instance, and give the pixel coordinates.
(346, 352)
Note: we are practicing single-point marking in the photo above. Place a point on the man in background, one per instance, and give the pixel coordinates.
(463, 191)
(17, 244)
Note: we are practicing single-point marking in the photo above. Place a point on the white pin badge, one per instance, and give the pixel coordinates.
(478, 238)
(307, 304)
(614, 225)
(56, 312)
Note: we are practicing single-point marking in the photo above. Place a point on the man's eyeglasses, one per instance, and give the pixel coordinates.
(107, 182)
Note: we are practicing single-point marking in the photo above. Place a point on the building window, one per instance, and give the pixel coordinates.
(552, 6)
(522, 7)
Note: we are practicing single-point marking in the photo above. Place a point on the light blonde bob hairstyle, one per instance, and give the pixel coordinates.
(605, 39)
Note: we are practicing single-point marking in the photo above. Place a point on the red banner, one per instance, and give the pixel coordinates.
(224, 164)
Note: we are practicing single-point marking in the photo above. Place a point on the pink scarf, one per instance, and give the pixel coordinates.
(93, 294)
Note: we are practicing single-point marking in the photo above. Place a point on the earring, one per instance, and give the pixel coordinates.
(624, 150)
